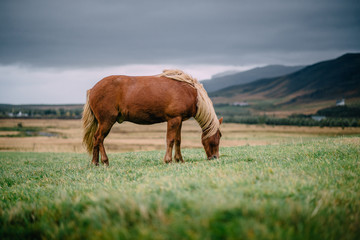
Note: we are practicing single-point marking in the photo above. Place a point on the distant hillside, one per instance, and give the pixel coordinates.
(219, 82)
(328, 80)
(223, 74)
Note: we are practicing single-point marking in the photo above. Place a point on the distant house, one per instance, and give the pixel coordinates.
(19, 114)
(340, 102)
(318, 118)
(241, 104)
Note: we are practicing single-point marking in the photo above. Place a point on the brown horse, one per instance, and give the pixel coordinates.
(172, 96)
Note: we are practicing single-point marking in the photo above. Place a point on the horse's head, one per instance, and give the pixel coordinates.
(211, 144)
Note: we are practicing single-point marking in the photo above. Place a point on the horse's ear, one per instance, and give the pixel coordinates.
(220, 120)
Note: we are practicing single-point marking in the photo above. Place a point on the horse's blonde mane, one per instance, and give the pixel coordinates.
(205, 115)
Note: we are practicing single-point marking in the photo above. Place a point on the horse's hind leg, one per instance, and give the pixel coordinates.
(178, 157)
(102, 131)
(172, 127)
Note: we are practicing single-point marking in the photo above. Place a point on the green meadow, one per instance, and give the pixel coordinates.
(308, 190)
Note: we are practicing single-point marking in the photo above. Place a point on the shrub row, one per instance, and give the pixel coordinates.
(328, 122)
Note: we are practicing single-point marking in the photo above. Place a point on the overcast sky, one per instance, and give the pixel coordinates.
(52, 51)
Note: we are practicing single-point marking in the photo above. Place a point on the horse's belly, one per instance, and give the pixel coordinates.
(143, 116)
(145, 119)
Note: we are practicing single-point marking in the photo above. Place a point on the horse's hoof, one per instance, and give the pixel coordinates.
(179, 160)
(94, 164)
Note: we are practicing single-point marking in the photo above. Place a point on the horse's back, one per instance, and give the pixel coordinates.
(144, 100)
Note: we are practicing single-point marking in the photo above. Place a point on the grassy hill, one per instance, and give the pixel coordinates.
(308, 190)
(324, 81)
(218, 83)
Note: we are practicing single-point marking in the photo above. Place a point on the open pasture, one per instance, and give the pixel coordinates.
(307, 190)
(269, 183)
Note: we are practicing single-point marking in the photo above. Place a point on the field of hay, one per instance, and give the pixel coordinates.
(66, 135)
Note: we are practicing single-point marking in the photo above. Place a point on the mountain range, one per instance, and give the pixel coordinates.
(327, 80)
(227, 79)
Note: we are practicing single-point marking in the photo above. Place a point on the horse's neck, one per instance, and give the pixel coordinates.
(207, 122)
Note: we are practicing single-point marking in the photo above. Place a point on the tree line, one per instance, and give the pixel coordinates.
(294, 121)
(14, 111)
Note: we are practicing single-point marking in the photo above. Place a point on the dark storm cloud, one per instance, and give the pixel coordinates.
(100, 33)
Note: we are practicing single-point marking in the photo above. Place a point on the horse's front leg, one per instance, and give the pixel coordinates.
(172, 127)
(178, 157)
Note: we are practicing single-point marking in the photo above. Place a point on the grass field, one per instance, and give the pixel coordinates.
(292, 190)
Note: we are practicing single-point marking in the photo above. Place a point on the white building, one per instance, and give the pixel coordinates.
(241, 104)
(340, 102)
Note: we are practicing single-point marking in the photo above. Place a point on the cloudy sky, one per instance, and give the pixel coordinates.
(52, 51)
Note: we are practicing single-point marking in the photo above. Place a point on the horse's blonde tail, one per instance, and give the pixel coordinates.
(90, 125)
